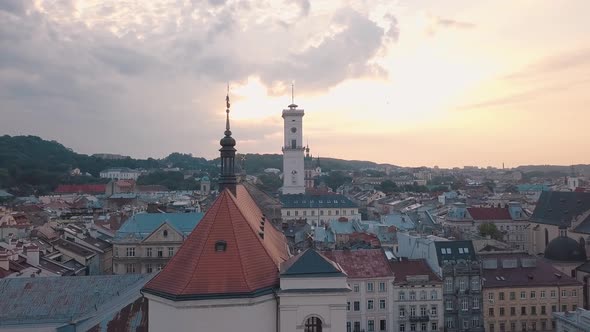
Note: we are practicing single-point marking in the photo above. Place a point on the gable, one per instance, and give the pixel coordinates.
(164, 233)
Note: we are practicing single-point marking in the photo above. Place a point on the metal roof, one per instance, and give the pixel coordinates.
(62, 299)
(143, 224)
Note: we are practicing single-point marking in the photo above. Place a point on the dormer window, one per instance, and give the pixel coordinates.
(220, 246)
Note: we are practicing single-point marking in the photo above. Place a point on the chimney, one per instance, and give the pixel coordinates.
(4, 263)
(32, 253)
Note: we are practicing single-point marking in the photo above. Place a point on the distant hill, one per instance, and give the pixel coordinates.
(32, 165)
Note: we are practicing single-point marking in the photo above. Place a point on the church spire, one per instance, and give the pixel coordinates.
(227, 178)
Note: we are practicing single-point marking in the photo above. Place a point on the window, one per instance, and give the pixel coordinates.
(423, 326)
(288, 213)
(412, 295)
(501, 296)
(543, 310)
(491, 296)
(170, 251)
(462, 285)
(412, 327)
(370, 305)
(574, 293)
(501, 311)
(553, 294)
(433, 310)
(160, 252)
(523, 311)
(382, 325)
(574, 307)
(165, 233)
(534, 326)
(523, 324)
(512, 296)
(543, 325)
(402, 327)
(449, 304)
(465, 324)
(542, 294)
(475, 302)
(402, 311)
(512, 311)
(370, 287)
(433, 295)
(148, 252)
(382, 287)
(522, 295)
(450, 322)
(423, 295)
(348, 306)
(296, 213)
(149, 268)
(293, 144)
(160, 267)
(423, 311)
(563, 293)
(491, 312)
(475, 322)
(402, 296)
(465, 304)
(492, 327)
(564, 308)
(382, 304)
(553, 308)
(502, 327)
(357, 326)
(313, 324)
(533, 310)
(475, 283)
(355, 288)
(371, 325)
(434, 326)
(356, 306)
(533, 295)
(449, 284)
(130, 252)
(512, 326)
(116, 251)
(348, 327)
(130, 268)
(412, 311)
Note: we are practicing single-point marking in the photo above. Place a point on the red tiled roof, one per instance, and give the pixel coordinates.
(249, 264)
(406, 268)
(489, 213)
(361, 263)
(81, 188)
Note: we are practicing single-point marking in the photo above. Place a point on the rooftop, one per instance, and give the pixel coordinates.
(489, 213)
(141, 225)
(81, 188)
(233, 252)
(557, 207)
(61, 300)
(361, 263)
(73, 247)
(310, 263)
(454, 250)
(521, 270)
(405, 268)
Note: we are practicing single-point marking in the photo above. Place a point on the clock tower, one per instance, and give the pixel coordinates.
(293, 151)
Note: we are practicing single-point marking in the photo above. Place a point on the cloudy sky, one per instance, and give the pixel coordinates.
(408, 82)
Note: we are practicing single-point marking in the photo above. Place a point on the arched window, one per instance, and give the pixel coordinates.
(313, 324)
(546, 237)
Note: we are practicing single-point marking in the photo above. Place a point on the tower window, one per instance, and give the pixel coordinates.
(293, 144)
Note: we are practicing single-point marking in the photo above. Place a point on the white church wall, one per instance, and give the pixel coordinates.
(258, 314)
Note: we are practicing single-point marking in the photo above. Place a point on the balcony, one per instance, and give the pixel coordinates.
(419, 319)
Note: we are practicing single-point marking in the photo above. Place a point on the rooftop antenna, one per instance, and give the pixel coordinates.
(292, 106)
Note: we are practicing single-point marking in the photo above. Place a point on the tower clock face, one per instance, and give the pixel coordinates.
(293, 130)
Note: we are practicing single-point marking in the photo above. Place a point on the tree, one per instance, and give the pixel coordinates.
(490, 229)
(335, 179)
(388, 186)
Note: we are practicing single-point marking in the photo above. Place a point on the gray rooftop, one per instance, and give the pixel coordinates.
(62, 299)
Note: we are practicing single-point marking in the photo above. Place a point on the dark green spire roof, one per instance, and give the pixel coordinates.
(310, 263)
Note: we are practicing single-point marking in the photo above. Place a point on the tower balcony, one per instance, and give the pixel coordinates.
(289, 148)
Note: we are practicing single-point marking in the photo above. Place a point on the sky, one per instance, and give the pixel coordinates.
(408, 82)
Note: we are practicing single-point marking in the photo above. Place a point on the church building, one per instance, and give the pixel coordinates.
(234, 272)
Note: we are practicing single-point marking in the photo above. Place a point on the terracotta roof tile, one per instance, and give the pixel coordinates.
(361, 263)
(249, 263)
(81, 188)
(406, 268)
(489, 213)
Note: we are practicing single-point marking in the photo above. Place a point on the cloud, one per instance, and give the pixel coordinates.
(438, 23)
(554, 64)
(148, 79)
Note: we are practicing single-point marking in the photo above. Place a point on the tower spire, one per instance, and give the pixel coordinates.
(293, 105)
(227, 178)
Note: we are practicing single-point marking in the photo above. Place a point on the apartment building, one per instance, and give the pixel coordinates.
(369, 305)
(417, 297)
(147, 241)
(522, 292)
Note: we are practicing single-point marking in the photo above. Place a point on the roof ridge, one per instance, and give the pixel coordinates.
(250, 227)
(198, 260)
